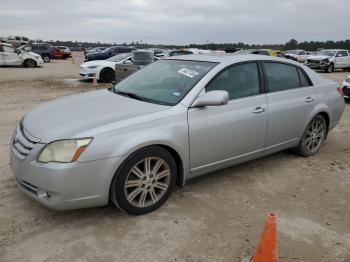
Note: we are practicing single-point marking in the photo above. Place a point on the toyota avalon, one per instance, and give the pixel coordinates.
(175, 119)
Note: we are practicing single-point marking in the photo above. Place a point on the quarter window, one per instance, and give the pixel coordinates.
(239, 81)
(8, 49)
(303, 80)
(281, 77)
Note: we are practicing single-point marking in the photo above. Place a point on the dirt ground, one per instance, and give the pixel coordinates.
(217, 217)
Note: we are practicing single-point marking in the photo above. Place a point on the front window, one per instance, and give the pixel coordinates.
(165, 82)
(326, 53)
(118, 58)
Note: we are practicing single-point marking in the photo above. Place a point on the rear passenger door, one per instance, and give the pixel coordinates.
(290, 99)
(341, 59)
(10, 57)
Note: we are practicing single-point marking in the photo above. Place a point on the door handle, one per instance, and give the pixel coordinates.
(309, 99)
(258, 110)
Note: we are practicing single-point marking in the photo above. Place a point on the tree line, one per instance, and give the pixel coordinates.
(291, 44)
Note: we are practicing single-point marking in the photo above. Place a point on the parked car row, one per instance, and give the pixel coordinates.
(48, 52)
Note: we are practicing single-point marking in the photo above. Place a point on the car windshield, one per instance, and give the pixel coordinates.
(326, 53)
(293, 52)
(118, 58)
(164, 82)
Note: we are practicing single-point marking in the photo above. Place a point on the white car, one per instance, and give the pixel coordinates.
(10, 56)
(297, 55)
(104, 70)
(346, 88)
(329, 59)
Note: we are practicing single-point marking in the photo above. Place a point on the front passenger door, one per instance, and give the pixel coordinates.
(221, 136)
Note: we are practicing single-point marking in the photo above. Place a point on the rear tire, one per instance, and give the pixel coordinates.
(46, 58)
(29, 63)
(107, 75)
(313, 137)
(144, 181)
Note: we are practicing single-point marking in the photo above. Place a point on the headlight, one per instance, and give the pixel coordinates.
(64, 151)
(93, 66)
(325, 60)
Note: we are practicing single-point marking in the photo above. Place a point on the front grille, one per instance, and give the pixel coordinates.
(23, 142)
(311, 61)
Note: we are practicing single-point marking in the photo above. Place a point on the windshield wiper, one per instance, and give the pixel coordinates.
(131, 95)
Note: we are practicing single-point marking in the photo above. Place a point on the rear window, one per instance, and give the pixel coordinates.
(281, 77)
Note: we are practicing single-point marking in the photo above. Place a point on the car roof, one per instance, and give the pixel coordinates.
(221, 58)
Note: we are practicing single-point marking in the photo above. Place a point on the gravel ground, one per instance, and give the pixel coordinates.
(217, 217)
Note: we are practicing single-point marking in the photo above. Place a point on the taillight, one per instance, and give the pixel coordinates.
(340, 90)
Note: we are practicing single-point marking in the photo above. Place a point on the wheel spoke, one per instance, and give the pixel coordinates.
(147, 164)
(162, 174)
(153, 195)
(136, 171)
(134, 194)
(142, 199)
(157, 165)
(133, 183)
(161, 186)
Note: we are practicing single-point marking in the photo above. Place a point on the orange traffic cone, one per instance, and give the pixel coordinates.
(73, 62)
(267, 250)
(94, 81)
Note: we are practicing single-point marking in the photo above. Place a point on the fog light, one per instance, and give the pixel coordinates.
(42, 194)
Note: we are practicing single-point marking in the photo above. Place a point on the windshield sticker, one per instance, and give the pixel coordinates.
(188, 72)
(176, 94)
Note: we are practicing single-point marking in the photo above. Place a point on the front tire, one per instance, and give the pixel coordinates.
(29, 63)
(107, 75)
(144, 181)
(330, 68)
(46, 58)
(313, 137)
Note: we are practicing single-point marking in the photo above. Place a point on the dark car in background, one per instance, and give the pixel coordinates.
(44, 50)
(108, 52)
(94, 50)
(253, 52)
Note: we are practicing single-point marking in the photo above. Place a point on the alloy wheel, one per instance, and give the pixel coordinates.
(314, 136)
(147, 182)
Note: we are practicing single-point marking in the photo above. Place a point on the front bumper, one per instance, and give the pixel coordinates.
(63, 186)
(39, 61)
(88, 73)
(317, 66)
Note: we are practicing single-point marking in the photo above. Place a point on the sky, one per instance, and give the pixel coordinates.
(177, 21)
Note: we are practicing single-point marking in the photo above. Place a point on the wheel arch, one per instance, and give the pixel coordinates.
(29, 59)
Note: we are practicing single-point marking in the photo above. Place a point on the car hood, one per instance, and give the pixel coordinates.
(318, 57)
(98, 63)
(68, 116)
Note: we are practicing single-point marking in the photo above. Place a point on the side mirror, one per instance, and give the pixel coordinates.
(212, 98)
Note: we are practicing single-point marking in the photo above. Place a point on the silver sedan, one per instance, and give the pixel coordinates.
(171, 121)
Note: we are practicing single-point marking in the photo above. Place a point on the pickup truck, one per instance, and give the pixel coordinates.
(329, 59)
(296, 55)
